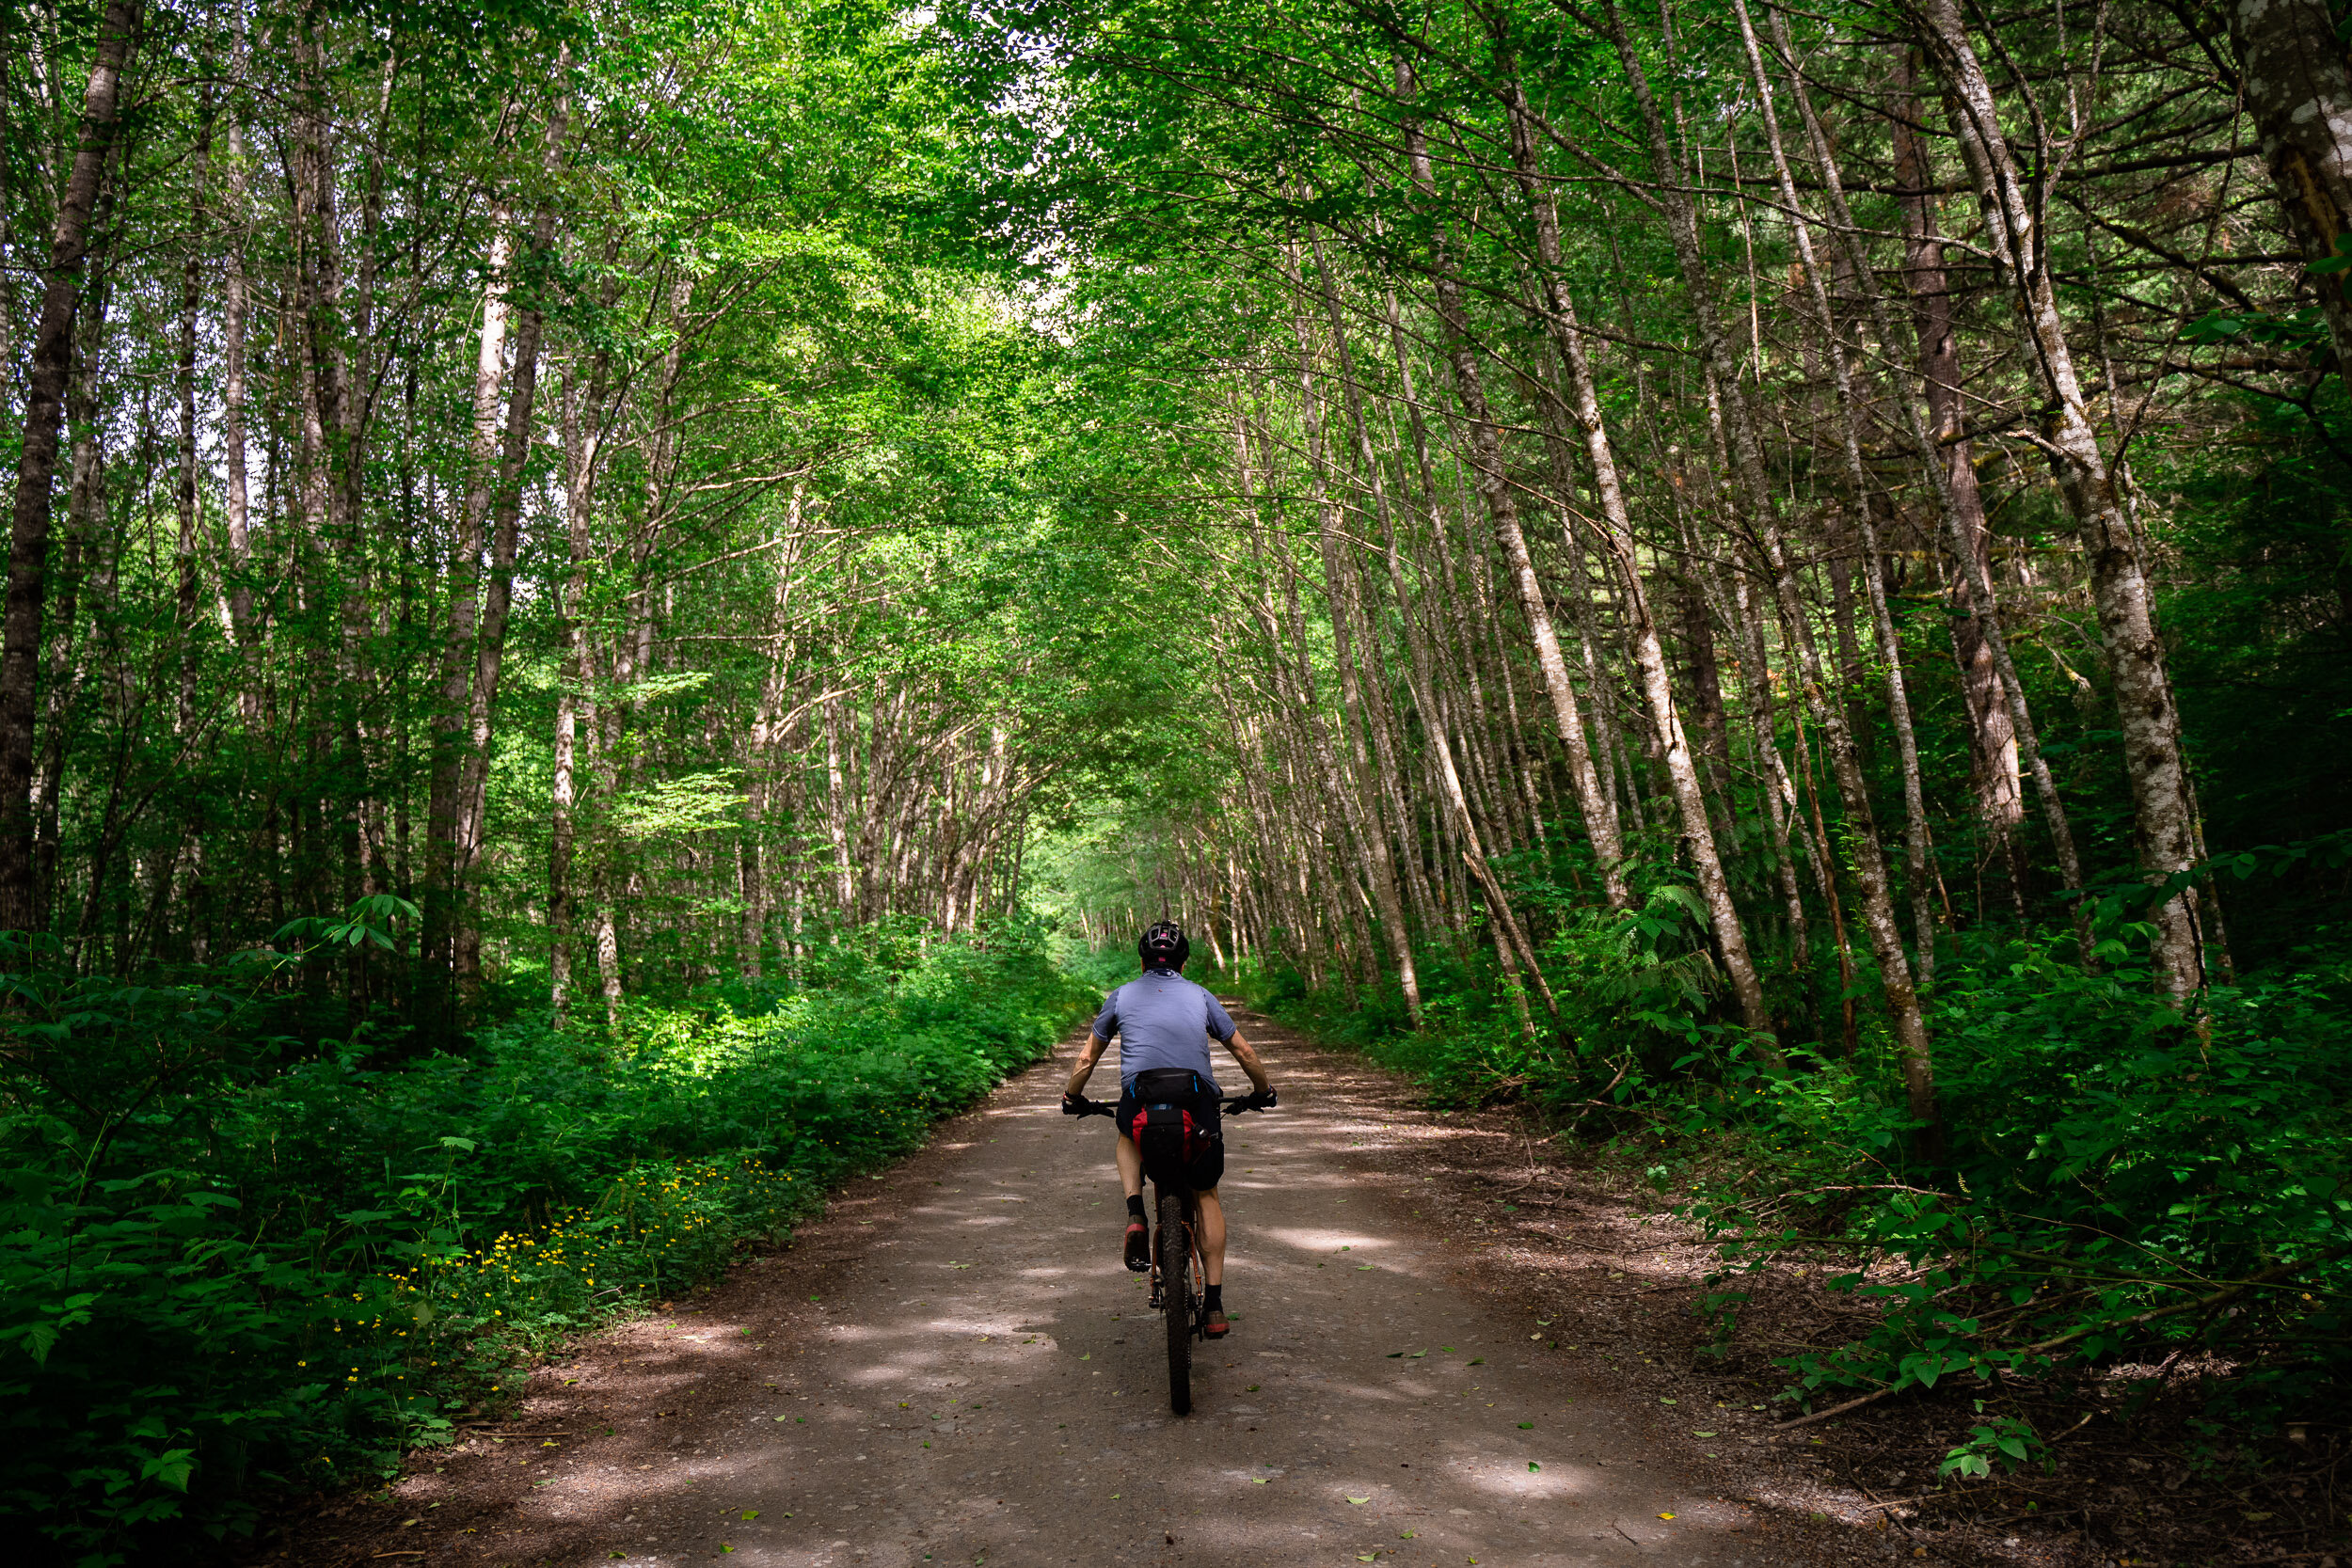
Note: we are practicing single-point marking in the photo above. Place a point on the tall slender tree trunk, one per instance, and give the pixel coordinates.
(235, 498)
(762, 742)
(1341, 572)
(1615, 527)
(37, 464)
(2145, 710)
(582, 447)
(505, 541)
(184, 555)
(1850, 429)
(2297, 84)
(334, 345)
(1707, 697)
(1993, 741)
(1952, 479)
(85, 504)
(1494, 488)
(1753, 489)
(445, 799)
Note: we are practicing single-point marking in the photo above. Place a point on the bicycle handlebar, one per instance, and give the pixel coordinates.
(1079, 1105)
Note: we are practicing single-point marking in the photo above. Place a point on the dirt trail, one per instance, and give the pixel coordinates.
(954, 1368)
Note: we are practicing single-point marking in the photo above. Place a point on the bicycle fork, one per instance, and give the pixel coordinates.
(1159, 1301)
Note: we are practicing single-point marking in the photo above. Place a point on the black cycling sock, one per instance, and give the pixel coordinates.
(1216, 1299)
(1134, 1204)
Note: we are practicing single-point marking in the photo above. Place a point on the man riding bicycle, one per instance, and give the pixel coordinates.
(1164, 1023)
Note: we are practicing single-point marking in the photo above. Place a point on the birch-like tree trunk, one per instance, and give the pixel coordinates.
(1345, 584)
(2145, 711)
(1494, 488)
(235, 497)
(1991, 737)
(37, 463)
(1952, 479)
(505, 541)
(445, 798)
(185, 556)
(577, 405)
(1754, 492)
(1614, 530)
(1852, 426)
(2297, 84)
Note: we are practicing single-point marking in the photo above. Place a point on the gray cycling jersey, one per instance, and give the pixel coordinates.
(1160, 1020)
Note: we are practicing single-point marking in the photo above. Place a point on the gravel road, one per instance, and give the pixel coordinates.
(954, 1368)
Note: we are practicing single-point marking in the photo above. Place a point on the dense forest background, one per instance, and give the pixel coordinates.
(611, 606)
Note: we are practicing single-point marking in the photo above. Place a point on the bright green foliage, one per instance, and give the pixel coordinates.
(2116, 1171)
(2004, 1440)
(2117, 1164)
(235, 1263)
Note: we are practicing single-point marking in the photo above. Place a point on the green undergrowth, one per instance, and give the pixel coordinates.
(1099, 971)
(238, 1260)
(2120, 1184)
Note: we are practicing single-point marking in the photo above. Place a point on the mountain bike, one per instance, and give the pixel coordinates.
(1177, 1282)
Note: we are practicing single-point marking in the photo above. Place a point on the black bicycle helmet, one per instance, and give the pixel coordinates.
(1164, 946)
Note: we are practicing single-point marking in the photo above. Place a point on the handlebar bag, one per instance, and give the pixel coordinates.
(1170, 1122)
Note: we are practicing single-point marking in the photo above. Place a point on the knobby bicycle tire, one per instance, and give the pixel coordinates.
(1175, 1244)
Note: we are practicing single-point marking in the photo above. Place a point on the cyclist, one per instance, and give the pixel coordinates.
(1165, 1023)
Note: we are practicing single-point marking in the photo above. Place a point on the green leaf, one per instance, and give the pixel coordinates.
(39, 1338)
(173, 1467)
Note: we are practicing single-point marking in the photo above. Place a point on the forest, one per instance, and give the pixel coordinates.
(613, 604)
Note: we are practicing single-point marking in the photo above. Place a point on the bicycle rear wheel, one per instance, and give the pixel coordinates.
(1175, 1243)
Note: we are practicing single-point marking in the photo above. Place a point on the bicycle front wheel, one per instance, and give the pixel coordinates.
(1175, 1243)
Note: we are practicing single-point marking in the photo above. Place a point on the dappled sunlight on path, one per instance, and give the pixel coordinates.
(980, 1382)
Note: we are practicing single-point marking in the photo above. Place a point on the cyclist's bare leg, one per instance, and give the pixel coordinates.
(1129, 1166)
(1212, 1237)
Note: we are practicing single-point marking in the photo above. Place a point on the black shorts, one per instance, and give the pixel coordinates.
(1204, 1174)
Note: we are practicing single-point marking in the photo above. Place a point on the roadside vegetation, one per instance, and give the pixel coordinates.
(243, 1260)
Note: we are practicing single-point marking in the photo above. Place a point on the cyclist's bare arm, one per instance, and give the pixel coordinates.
(1247, 1058)
(1096, 1045)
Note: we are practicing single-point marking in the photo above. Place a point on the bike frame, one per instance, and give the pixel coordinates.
(1190, 1319)
(1190, 1201)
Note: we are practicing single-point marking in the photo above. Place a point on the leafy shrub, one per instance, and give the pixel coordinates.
(1635, 990)
(1101, 970)
(2118, 1176)
(1999, 1440)
(233, 1258)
